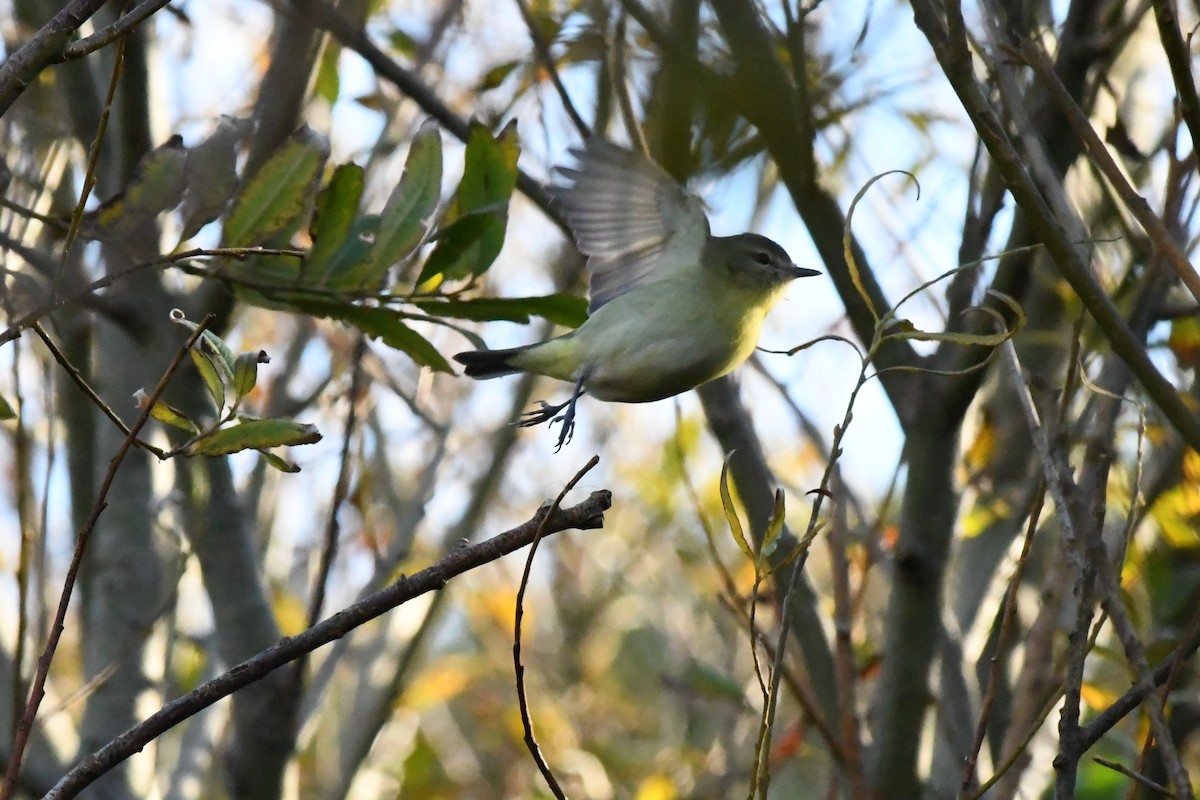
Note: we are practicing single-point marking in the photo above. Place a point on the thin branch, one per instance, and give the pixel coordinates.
(586, 516)
(38, 690)
(1134, 776)
(93, 157)
(21, 68)
(341, 489)
(547, 60)
(110, 33)
(82, 383)
(1091, 559)
(14, 329)
(522, 701)
(1008, 614)
(1152, 224)
(957, 65)
(1179, 58)
(1107, 719)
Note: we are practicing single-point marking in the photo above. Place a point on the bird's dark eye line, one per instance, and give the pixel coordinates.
(762, 258)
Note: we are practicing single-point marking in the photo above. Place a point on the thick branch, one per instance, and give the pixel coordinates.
(587, 515)
(956, 63)
(43, 49)
(768, 99)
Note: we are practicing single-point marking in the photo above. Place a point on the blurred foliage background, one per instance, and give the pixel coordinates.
(346, 194)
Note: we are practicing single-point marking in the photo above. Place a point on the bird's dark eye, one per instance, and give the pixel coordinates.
(762, 258)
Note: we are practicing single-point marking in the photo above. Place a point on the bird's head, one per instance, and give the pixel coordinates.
(757, 261)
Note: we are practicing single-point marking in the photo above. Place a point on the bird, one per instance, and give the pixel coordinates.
(671, 307)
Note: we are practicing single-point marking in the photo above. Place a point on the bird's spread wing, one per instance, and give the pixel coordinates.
(633, 222)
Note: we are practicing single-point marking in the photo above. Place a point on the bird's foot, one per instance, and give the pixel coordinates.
(548, 412)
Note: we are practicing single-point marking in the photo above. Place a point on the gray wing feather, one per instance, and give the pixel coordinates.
(623, 210)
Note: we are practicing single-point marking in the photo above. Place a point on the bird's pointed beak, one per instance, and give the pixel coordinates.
(802, 272)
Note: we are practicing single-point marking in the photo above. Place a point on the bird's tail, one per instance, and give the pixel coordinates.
(484, 364)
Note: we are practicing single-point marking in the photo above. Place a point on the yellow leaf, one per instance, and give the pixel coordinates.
(1096, 697)
(291, 614)
(656, 787)
(434, 686)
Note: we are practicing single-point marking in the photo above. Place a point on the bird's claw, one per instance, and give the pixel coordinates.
(547, 412)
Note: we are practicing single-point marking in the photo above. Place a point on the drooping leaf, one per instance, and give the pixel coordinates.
(212, 178)
(337, 207)
(385, 324)
(405, 217)
(174, 417)
(327, 84)
(212, 379)
(731, 515)
(278, 194)
(245, 371)
(281, 464)
(254, 434)
(496, 75)
(562, 309)
(474, 224)
(774, 526)
(466, 246)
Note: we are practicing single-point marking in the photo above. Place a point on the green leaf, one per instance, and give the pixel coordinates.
(496, 75)
(774, 527)
(6, 410)
(212, 379)
(253, 434)
(278, 194)
(337, 207)
(174, 417)
(327, 85)
(562, 309)
(465, 247)
(383, 323)
(404, 220)
(707, 681)
(731, 515)
(480, 204)
(245, 371)
(281, 464)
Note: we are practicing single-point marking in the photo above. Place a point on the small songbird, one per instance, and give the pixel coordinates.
(671, 306)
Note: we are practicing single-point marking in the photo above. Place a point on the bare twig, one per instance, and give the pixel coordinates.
(587, 515)
(341, 488)
(1134, 776)
(38, 690)
(843, 623)
(14, 329)
(82, 383)
(1152, 224)
(1091, 560)
(93, 159)
(522, 701)
(110, 33)
(1007, 617)
(943, 28)
(1180, 60)
(21, 68)
(547, 59)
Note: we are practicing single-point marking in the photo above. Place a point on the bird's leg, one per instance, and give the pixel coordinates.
(550, 413)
